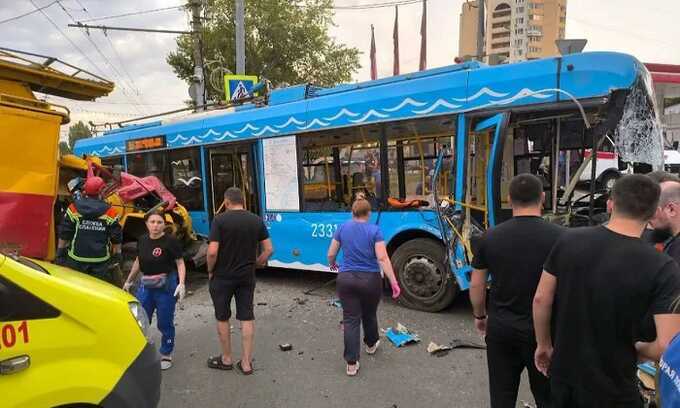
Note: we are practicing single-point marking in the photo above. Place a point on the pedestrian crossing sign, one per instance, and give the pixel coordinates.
(238, 86)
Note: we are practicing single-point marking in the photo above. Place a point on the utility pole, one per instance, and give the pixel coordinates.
(198, 93)
(480, 30)
(240, 17)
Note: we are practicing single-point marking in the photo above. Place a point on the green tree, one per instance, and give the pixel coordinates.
(76, 132)
(287, 42)
(64, 149)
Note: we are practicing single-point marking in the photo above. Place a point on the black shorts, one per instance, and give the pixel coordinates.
(222, 291)
(564, 395)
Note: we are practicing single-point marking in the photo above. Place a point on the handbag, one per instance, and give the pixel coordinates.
(155, 281)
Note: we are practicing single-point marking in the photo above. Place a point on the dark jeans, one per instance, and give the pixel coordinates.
(506, 360)
(360, 294)
(567, 396)
(162, 301)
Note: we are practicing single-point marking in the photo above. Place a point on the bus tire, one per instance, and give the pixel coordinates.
(607, 180)
(425, 281)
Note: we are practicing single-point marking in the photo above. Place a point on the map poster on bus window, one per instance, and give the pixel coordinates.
(238, 86)
(281, 174)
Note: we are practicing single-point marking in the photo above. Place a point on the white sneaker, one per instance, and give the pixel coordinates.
(373, 349)
(166, 362)
(353, 370)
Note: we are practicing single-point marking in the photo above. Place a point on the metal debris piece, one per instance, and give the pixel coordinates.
(456, 343)
(437, 350)
(286, 347)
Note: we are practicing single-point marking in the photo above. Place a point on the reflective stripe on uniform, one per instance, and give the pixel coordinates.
(73, 214)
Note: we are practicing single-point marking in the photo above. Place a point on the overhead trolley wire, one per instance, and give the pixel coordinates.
(115, 70)
(133, 13)
(135, 87)
(27, 13)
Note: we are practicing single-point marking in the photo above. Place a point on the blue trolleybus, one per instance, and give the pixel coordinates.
(433, 151)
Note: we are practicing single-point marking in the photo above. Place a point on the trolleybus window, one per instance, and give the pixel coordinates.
(185, 177)
(178, 170)
(413, 147)
(339, 164)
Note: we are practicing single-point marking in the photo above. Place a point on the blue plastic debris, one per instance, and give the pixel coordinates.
(647, 368)
(401, 336)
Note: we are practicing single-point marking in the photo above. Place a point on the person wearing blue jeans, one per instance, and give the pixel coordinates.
(359, 281)
(162, 284)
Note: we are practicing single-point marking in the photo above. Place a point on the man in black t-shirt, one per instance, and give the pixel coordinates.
(235, 237)
(513, 254)
(596, 286)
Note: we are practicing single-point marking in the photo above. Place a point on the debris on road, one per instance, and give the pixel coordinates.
(336, 303)
(286, 347)
(300, 301)
(438, 350)
(456, 343)
(262, 303)
(401, 336)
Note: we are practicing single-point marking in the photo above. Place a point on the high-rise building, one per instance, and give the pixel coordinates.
(516, 30)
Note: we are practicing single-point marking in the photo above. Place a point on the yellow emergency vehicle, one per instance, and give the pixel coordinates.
(67, 339)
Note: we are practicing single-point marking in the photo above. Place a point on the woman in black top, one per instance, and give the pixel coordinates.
(162, 284)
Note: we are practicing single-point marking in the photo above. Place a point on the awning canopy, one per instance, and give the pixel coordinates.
(666, 78)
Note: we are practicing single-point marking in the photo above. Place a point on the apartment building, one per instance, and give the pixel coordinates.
(516, 30)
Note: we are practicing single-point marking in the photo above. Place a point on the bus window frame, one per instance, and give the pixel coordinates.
(337, 166)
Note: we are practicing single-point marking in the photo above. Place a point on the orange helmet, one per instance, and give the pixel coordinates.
(93, 186)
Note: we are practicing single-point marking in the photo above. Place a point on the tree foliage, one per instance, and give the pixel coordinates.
(287, 42)
(64, 149)
(77, 131)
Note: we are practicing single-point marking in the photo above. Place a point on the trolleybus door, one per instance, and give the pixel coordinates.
(231, 166)
(483, 169)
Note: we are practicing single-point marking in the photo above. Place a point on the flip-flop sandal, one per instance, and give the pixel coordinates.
(216, 363)
(240, 368)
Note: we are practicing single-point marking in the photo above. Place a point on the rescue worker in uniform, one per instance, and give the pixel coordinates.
(90, 235)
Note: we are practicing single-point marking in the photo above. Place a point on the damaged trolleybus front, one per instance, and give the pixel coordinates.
(433, 151)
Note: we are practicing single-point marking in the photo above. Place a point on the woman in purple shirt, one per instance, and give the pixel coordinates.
(360, 281)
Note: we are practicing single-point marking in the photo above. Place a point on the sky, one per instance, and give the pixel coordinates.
(145, 83)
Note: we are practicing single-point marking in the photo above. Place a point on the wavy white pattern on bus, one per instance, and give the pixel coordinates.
(405, 108)
(298, 265)
(343, 112)
(209, 133)
(265, 130)
(482, 92)
(317, 122)
(290, 121)
(226, 134)
(405, 102)
(178, 137)
(438, 104)
(368, 114)
(248, 126)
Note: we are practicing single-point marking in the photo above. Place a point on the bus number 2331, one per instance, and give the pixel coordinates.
(324, 230)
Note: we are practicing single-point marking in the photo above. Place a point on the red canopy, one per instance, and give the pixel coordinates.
(666, 79)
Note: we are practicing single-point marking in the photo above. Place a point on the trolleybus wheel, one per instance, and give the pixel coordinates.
(426, 283)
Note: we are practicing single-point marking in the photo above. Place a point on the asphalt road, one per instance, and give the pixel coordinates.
(312, 374)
